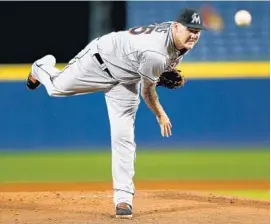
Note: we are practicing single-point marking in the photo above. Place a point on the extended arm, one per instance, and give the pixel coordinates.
(150, 97)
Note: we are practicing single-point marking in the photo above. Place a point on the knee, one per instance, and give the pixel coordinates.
(55, 93)
(62, 89)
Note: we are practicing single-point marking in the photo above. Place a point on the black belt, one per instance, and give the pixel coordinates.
(100, 60)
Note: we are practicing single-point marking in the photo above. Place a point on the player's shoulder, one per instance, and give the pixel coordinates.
(164, 26)
(151, 28)
(166, 23)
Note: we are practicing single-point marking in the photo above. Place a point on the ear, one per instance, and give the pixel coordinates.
(175, 26)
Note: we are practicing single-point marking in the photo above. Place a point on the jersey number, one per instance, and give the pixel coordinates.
(149, 29)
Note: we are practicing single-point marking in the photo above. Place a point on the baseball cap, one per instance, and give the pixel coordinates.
(191, 18)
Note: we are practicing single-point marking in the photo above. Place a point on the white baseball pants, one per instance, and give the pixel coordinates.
(84, 74)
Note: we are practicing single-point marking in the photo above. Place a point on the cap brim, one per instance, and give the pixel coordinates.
(195, 26)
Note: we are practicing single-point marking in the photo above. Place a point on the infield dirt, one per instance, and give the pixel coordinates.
(166, 202)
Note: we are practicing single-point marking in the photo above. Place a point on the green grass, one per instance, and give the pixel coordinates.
(250, 194)
(150, 165)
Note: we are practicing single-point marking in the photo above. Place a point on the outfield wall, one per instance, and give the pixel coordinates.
(209, 111)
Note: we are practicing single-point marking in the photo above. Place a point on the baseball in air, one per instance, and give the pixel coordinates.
(242, 18)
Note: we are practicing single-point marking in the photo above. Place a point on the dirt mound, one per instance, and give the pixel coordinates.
(161, 207)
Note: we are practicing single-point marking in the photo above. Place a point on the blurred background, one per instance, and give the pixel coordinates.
(224, 107)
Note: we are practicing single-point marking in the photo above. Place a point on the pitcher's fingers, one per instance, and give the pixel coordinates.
(169, 130)
(162, 130)
(166, 130)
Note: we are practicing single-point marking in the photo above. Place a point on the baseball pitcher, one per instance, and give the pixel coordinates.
(116, 64)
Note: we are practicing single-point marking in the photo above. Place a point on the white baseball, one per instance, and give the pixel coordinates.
(242, 18)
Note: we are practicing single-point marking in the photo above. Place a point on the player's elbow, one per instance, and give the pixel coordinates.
(147, 90)
(144, 93)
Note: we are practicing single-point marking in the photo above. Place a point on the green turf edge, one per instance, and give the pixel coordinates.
(249, 194)
(150, 165)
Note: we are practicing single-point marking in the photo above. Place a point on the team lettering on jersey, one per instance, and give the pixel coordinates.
(161, 27)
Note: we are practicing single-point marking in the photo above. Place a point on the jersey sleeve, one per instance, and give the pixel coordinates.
(177, 63)
(180, 60)
(151, 66)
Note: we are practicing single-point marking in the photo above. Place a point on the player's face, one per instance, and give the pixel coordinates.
(188, 37)
(192, 36)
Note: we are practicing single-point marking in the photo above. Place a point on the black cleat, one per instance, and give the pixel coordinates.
(124, 211)
(31, 82)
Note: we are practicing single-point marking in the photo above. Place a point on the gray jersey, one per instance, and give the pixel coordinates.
(144, 51)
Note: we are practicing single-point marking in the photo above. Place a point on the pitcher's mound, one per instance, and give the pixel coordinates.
(159, 207)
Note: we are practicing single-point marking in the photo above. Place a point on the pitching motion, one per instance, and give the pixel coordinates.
(118, 64)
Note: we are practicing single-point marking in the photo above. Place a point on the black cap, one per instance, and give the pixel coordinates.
(191, 18)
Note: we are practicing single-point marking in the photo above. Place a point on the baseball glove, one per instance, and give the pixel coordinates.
(171, 79)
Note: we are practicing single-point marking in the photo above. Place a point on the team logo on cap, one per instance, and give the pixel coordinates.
(195, 18)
